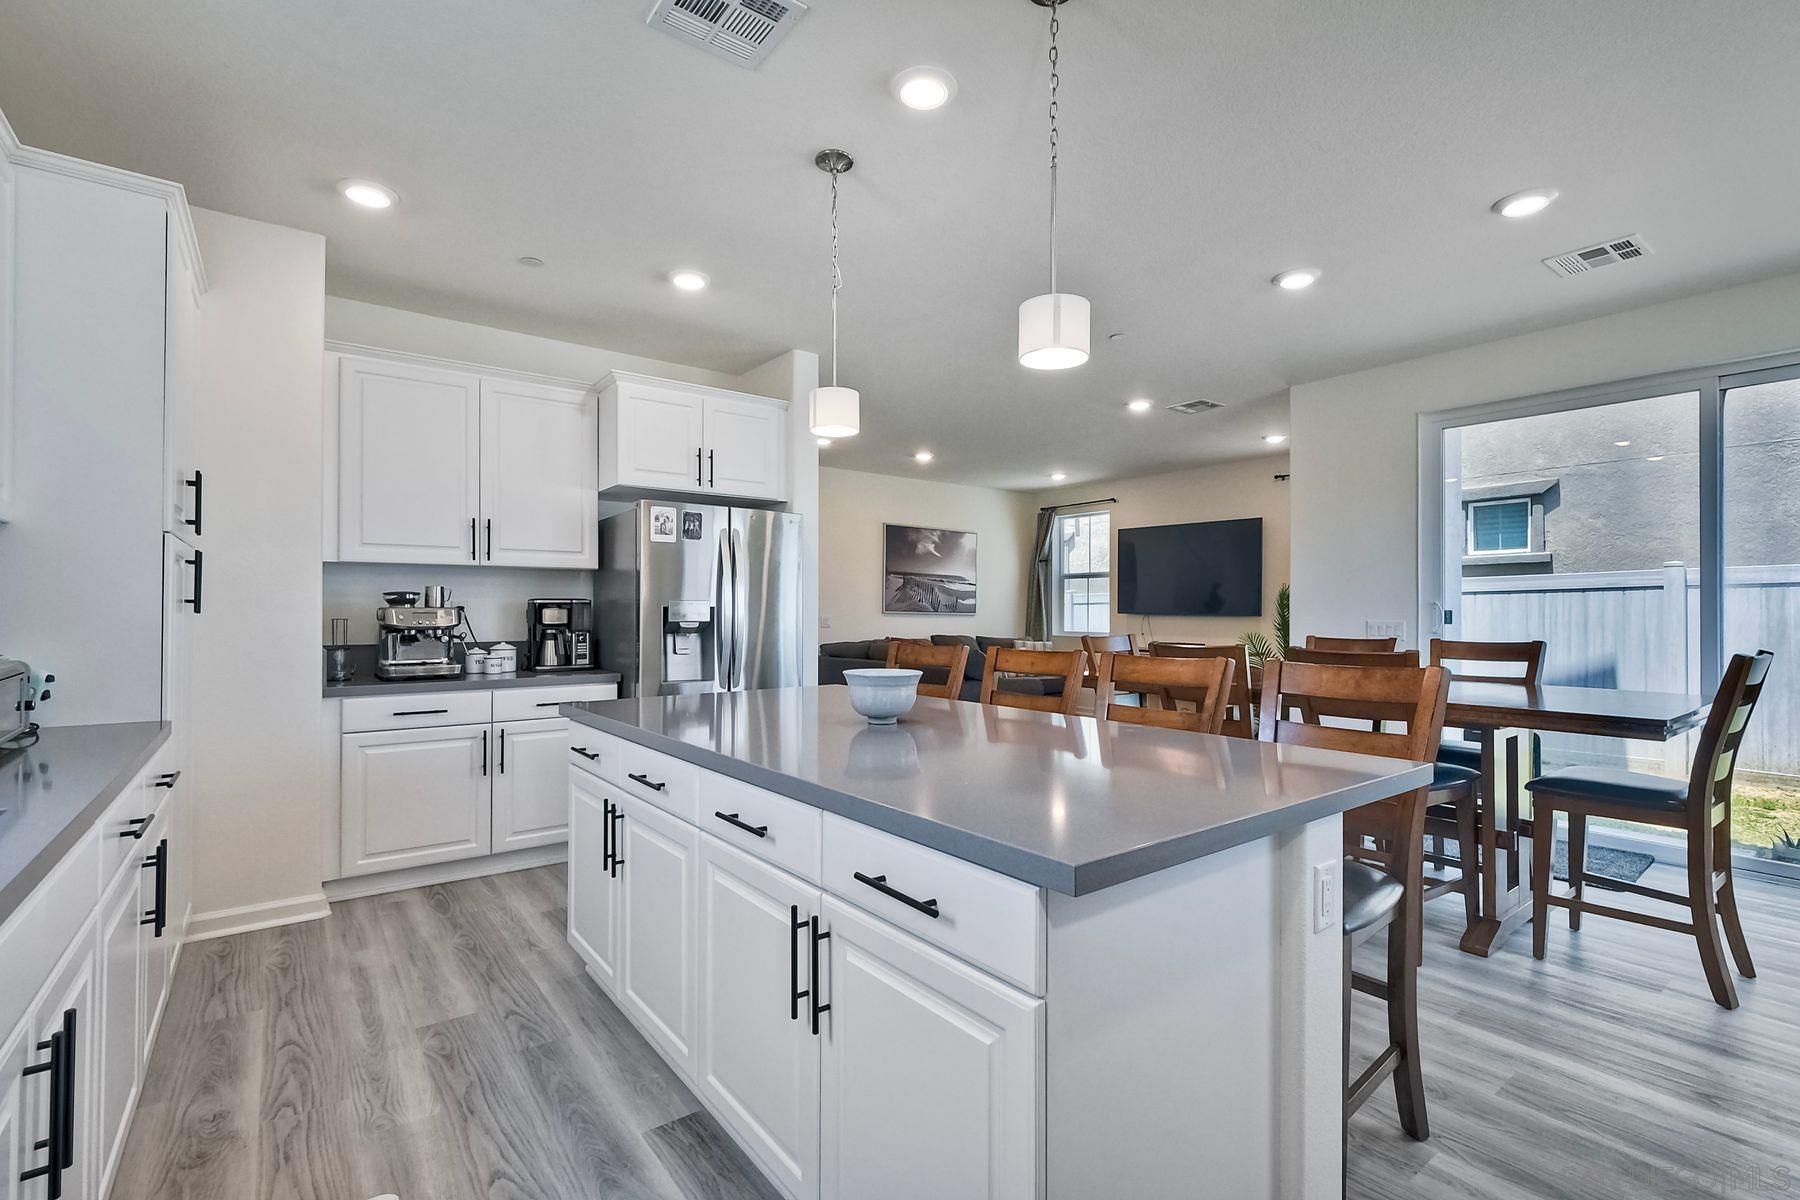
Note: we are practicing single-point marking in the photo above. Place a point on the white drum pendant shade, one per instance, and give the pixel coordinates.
(1053, 331)
(836, 412)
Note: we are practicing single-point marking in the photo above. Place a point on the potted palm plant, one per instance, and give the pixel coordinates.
(1260, 647)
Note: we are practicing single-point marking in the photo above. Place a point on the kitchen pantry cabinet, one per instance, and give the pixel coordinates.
(658, 435)
(437, 465)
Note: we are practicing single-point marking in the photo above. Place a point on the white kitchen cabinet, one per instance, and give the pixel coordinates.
(184, 483)
(415, 796)
(758, 1058)
(530, 784)
(659, 859)
(659, 435)
(539, 499)
(593, 883)
(932, 1080)
(409, 462)
(68, 1003)
(183, 606)
(119, 1023)
(157, 930)
(14, 1058)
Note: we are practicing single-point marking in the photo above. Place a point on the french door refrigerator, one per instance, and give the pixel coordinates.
(699, 598)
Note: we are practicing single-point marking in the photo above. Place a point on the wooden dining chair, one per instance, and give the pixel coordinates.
(1699, 807)
(1384, 842)
(1066, 663)
(1239, 715)
(923, 656)
(1095, 645)
(1527, 656)
(1208, 679)
(1455, 806)
(1353, 645)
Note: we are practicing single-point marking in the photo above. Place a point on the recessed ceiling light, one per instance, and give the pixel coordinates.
(1295, 280)
(923, 456)
(689, 280)
(1274, 439)
(1058, 476)
(1654, 457)
(367, 193)
(1115, 337)
(1140, 405)
(1626, 442)
(1525, 204)
(1451, 479)
(824, 441)
(924, 88)
(531, 260)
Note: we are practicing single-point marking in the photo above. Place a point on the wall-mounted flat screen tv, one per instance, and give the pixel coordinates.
(1206, 569)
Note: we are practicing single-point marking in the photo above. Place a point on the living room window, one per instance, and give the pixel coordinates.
(1084, 573)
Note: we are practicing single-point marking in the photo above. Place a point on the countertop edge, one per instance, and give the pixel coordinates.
(376, 689)
(17, 889)
(999, 857)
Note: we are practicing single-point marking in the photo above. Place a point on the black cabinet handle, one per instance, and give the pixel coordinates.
(159, 915)
(618, 859)
(193, 522)
(474, 543)
(68, 1092)
(503, 751)
(586, 753)
(549, 703)
(880, 884)
(648, 782)
(484, 734)
(198, 562)
(813, 976)
(796, 993)
(138, 827)
(421, 712)
(732, 819)
(696, 466)
(606, 807)
(58, 1147)
(167, 779)
(490, 538)
(709, 468)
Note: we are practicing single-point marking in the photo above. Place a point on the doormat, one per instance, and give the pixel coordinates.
(1603, 863)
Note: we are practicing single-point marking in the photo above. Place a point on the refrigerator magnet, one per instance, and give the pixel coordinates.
(662, 522)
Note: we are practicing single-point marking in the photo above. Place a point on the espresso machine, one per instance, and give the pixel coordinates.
(419, 640)
(560, 633)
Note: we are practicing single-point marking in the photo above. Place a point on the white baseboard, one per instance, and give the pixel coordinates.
(355, 886)
(227, 921)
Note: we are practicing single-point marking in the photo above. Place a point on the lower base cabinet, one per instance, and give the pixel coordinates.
(120, 1017)
(63, 1036)
(593, 879)
(415, 796)
(531, 801)
(658, 859)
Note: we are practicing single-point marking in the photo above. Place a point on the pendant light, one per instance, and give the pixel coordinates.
(836, 412)
(1053, 328)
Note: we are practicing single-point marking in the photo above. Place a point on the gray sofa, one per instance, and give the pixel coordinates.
(837, 657)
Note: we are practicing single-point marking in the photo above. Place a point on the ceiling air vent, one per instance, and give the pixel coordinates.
(741, 31)
(1601, 254)
(1189, 408)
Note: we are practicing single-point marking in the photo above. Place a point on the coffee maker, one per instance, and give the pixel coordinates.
(560, 634)
(418, 641)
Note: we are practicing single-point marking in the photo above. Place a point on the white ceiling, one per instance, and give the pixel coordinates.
(1205, 147)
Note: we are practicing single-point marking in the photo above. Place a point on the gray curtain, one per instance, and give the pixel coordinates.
(1037, 592)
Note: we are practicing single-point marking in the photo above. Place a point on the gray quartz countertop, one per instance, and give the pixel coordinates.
(51, 793)
(366, 684)
(1065, 803)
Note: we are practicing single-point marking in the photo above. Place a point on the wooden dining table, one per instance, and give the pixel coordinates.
(1491, 713)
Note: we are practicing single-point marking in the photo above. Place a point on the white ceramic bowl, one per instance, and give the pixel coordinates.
(883, 694)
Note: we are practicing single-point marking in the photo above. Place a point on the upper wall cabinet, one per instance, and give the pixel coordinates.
(657, 435)
(444, 466)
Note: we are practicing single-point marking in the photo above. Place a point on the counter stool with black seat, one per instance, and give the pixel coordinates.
(1700, 806)
(1384, 842)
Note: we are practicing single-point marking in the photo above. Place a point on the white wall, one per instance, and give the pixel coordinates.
(1355, 438)
(1219, 492)
(417, 333)
(255, 674)
(856, 505)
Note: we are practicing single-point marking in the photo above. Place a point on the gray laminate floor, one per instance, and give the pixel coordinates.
(443, 1044)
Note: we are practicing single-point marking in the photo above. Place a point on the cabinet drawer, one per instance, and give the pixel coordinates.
(41, 929)
(528, 704)
(366, 714)
(599, 754)
(125, 829)
(992, 921)
(792, 832)
(668, 783)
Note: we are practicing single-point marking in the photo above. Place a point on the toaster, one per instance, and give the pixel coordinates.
(18, 700)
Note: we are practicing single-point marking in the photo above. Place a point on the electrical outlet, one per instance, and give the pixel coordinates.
(1328, 901)
(824, 621)
(1393, 629)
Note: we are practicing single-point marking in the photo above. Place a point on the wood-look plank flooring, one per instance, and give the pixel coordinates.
(444, 1044)
(438, 1044)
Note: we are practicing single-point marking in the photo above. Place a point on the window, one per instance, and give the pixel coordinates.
(1500, 526)
(1084, 572)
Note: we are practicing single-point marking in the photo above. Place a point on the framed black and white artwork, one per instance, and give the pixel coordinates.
(927, 570)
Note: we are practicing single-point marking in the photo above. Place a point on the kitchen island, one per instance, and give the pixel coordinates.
(984, 953)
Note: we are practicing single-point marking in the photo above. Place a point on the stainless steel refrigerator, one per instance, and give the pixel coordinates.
(699, 598)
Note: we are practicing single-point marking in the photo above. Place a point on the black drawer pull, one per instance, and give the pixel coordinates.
(422, 712)
(139, 825)
(732, 819)
(649, 783)
(618, 859)
(550, 704)
(474, 542)
(586, 753)
(880, 884)
(796, 993)
(159, 915)
(196, 483)
(167, 779)
(198, 562)
(813, 979)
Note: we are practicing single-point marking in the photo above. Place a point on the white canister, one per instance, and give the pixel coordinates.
(502, 659)
(474, 661)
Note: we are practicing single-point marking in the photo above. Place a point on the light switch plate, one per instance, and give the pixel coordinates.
(1393, 629)
(1328, 900)
(824, 622)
